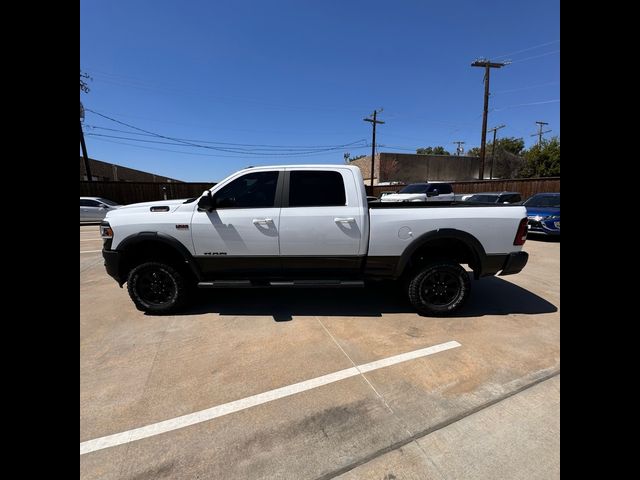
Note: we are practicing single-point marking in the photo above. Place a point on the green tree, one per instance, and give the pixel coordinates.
(473, 152)
(542, 160)
(508, 144)
(508, 159)
(439, 150)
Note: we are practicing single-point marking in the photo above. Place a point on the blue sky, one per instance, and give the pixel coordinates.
(277, 82)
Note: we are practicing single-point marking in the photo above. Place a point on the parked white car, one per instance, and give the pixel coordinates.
(94, 209)
(422, 192)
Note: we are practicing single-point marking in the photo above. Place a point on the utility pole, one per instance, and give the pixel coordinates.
(540, 132)
(459, 148)
(373, 121)
(87, 169)
(487, 65)
(493, 149)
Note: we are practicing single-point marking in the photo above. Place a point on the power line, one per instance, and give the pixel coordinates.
(209, 127)
(229, 150)
(526, 104)
(536, 56)
(527, 49)
(525, 88)
(284, 147)
(193, 144)
(203, 154)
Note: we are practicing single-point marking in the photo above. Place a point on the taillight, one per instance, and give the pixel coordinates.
(521, 234)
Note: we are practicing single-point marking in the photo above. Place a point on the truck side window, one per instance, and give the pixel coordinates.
(253, 190)
(316, 189)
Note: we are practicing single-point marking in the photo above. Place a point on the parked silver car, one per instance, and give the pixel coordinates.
(94, 209)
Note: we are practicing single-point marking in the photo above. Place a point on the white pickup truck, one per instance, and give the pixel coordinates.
(307, 226)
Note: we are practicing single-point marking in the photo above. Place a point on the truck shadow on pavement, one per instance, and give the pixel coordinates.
(489, 296)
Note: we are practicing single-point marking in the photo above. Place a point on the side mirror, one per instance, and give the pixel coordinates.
(433, 193)
(206, 201)
(103, 206)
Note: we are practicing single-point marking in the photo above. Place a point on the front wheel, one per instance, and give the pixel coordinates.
(156, 287)
(439, 288)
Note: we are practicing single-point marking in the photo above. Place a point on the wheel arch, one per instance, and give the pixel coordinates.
(445, 242)
(143, 246)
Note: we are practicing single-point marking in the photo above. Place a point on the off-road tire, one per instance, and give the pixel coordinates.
(438, 288)
(156, 288)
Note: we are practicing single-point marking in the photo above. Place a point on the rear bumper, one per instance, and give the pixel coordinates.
(112, 263)
(514, 263)
(507, 264)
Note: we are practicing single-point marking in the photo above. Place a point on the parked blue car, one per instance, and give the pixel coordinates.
(543, 210)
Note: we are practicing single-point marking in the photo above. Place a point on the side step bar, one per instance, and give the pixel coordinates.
(282, 283)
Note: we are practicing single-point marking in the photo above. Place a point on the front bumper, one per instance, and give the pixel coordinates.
(514, 263)
(546, 227)
(112, 263)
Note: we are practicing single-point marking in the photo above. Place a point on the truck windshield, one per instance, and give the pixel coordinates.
(415, 188)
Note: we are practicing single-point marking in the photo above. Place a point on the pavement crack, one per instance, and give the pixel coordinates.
(434, 428)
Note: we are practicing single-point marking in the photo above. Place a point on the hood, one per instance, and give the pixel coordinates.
(145, 206)
(401, 197)
(542, 211)
(157, 203)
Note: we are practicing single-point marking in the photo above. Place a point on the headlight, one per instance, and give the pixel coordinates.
(105, 230)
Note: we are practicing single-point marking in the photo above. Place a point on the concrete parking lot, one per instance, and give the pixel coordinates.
(243, 383)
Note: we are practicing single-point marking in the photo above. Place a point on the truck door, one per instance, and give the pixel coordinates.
(321, 223)
(240, 237)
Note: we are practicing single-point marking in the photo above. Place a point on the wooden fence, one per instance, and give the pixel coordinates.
(126, 193)
(526, 186)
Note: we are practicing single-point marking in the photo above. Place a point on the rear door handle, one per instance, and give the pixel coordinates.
(344, 219)
(262, 221)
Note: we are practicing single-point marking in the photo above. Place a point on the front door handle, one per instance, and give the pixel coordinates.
(262, 221)
(344, 219)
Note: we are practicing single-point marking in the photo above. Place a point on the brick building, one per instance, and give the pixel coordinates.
(413, 168)
(104, 171)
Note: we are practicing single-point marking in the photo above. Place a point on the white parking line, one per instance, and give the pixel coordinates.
(254, 400)
(90, 251)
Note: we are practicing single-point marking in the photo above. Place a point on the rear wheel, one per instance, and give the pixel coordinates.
(438, 288)
(156, 287)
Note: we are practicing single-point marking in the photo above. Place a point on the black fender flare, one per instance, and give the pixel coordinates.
(163, 238)
(469, 240)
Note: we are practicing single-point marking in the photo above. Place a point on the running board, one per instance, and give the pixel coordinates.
(282, 283)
